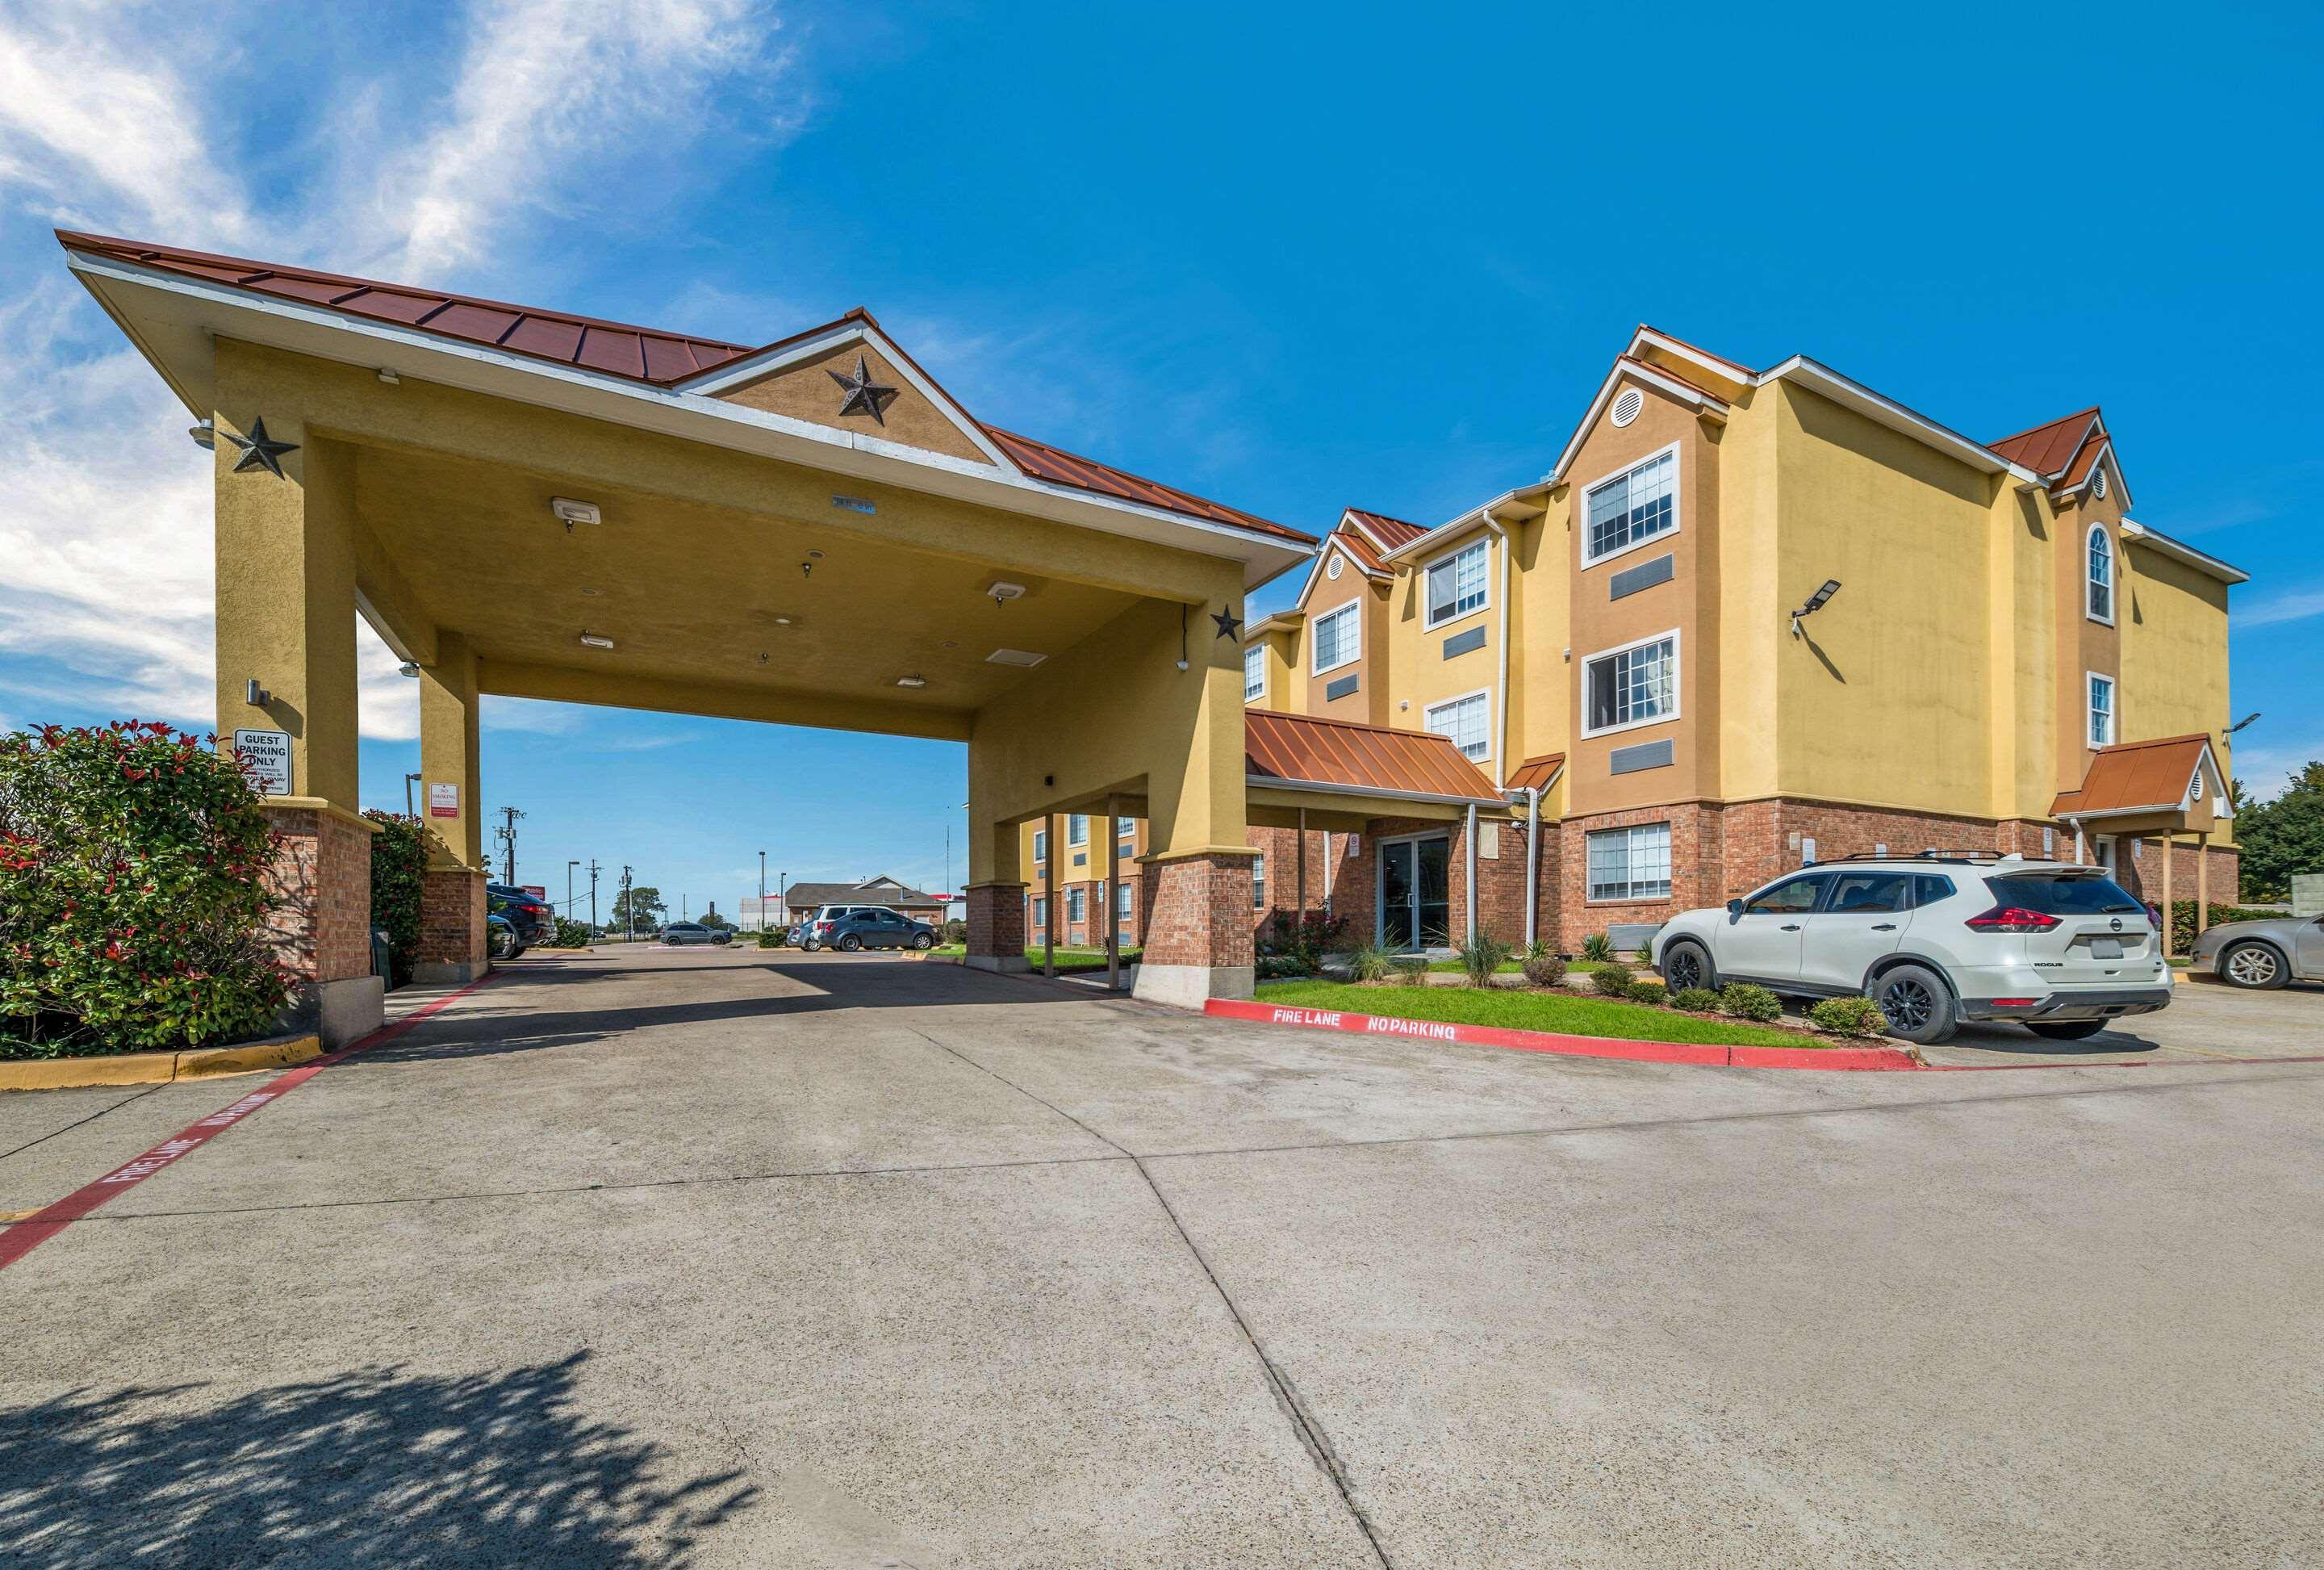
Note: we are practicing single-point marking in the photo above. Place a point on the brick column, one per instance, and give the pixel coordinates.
(451, 927)
(1198, 928)
(997, 915)
(321, 926)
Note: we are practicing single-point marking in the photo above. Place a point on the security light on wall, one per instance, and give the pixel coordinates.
(204, 433)
(2239, 724)
(1001, 592)
(595, 640)
(570, 512)
(1816, 602)
(408, 669)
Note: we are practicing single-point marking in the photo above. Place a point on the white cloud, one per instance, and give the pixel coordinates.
(2294, 605)
(2265, 770)
(126, 118)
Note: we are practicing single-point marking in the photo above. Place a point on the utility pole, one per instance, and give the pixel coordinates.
(593, 893)
(408, 809)
(629, 910)
(763, 890)
(569, 865)
(506, 834)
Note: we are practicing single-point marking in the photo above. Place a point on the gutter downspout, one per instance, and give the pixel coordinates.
(1501, 682)
(1473, 871)
(1533, 862)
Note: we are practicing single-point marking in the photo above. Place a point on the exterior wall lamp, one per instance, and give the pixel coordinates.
(1816, 602)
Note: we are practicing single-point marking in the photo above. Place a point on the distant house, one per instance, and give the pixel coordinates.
(801, 897)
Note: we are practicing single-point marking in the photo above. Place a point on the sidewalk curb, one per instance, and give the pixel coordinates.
(157, 1068)
(1860, 1060)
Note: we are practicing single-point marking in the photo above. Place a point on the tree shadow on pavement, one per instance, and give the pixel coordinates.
(374, 1467)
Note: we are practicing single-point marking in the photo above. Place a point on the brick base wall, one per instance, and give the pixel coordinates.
(320, 925)
(451, 917)
(1197, 911)
(997, 914)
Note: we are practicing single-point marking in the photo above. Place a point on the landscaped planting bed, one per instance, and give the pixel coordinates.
(1558, 1012)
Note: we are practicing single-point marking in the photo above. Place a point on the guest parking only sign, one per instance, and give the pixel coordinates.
(268, 755)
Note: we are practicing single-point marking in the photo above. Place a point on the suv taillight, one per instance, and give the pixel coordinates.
(2011, 918)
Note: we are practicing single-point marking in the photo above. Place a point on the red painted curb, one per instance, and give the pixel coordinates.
(22, 1237)
(1861, 1060)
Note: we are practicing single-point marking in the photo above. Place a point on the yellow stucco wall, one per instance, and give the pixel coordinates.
(1418, 674)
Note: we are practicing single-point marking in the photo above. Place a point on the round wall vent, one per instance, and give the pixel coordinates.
(1331, 567)
(1626, 404)
(2098, 483)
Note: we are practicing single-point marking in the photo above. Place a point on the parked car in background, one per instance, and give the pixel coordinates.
(529, 914)
(810, 933)
(875, 927)
(501, 941)
(2264, 954)
(1935, 939)
(685, 932)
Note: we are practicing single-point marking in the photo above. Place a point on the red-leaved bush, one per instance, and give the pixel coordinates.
(132, 895)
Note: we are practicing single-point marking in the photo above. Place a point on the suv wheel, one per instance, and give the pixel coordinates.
(1918, 1003)
(850, 943)
(1685, 964)
(924, 941)
(2252, 964)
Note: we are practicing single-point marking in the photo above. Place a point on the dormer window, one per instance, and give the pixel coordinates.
(1337, 637)
(1456, 585)
(1630, 508)
(2100, 600)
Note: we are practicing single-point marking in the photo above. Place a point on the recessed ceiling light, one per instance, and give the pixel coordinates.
(911, 681)
(1014, 657)
(591, 591)
(782, 621)
(596, 640)
(569, 512)
(814, 556)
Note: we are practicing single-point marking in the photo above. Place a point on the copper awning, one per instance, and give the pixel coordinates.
(2132, 778)
(1303, 751)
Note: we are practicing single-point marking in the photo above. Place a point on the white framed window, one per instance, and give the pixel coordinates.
(1125, 828)
(1121, 893)
(1040, 845)
(2099, 600)
(1077, 828)
(1073, 904)
(2102, 714)
(1258, 882)
(1254, 673)
(1338, 637)
(1633, 686)
(1456, 585)
(1040, 914)
(1465, 720)
(1622, 512)
(1630, 863)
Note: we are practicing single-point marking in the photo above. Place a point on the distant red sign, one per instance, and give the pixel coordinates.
(535, 890)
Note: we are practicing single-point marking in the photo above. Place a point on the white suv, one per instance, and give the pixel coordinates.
(1934, 939)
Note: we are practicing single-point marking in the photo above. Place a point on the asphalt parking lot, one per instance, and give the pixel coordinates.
(732, 1257)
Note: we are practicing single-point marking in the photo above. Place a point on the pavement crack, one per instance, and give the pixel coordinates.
(114, 1106)
(1312, 1437)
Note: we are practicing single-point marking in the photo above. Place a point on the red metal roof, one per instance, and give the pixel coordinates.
(1745, 374)
(616, 348)
(1535, 773)
(1359, 549)
(637, 354)
(2137, 777)
(1305, 749)
(1392, 532)
(2049, 447)
(1659, 369)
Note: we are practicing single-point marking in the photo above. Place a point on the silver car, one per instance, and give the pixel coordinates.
(2264, 954)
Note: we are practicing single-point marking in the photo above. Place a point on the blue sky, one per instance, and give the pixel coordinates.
(1293, 258)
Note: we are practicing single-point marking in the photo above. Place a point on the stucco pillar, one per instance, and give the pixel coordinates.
(286, 621)
(452, 905)
(995, 893)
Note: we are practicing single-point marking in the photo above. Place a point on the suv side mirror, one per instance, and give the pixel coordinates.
(1735, 907)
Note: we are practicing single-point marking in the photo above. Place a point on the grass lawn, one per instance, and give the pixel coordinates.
(1068, 960)
(1529, 1010)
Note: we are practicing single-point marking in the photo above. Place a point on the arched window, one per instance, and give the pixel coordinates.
(2101, 585)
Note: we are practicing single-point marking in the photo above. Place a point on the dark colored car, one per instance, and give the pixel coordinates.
(680, 932)
(873, 928)
(529, 914)
(501, 941)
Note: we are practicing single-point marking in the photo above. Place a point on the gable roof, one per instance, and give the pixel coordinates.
(1300, 751)
(883, 891)
(1385, 531)
(2136, 777)
(2048, 448)
(649, 356)
(1538, 773)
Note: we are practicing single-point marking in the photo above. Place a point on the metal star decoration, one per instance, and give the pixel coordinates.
(863, 397)
(1229, 624)
(258, 452)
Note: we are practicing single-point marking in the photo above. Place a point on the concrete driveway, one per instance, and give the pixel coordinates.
(767, 1259)
(2206, 1022)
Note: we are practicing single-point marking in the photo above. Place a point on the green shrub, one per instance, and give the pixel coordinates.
(1598, 947)
(1695, 1001)
(571, 934)
(955, 931)
(132, 894)
(398, 870)
(1367, 962)
(774, 936)
(2183, 921)
(1411, 969)
(1850, 1017)
(1651, 992)
(1281, 966)
(1481, 956)
(1544, 970)
(1611, 980)
(1746, 1001)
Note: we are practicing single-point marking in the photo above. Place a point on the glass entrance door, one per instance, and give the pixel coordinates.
(1415, 886)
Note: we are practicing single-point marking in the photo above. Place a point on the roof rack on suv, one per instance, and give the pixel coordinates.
(1930, 854)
